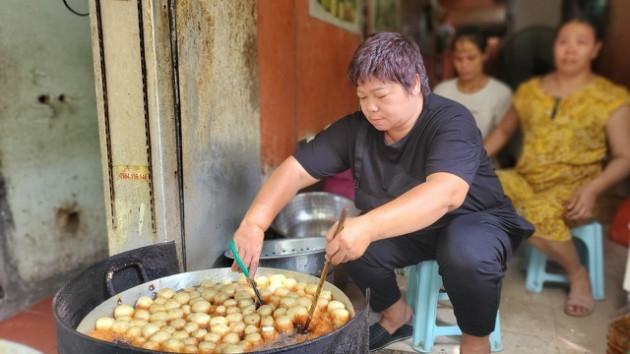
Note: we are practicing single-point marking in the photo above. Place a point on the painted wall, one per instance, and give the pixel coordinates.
(302, 68)
(51, 195)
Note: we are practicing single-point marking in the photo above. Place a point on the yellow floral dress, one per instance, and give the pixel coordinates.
(562, 150)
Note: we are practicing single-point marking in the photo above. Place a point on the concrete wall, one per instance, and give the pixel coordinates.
(51, 195)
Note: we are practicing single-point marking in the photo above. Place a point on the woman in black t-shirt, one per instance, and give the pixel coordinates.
(426, 189)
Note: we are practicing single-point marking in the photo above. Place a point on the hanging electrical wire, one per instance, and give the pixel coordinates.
(72, 10)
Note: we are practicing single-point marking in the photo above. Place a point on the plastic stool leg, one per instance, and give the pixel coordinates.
(536, 263)
(495, 337)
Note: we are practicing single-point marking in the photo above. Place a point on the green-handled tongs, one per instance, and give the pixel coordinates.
(246, 273)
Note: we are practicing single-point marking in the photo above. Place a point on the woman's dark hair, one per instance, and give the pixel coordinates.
(389, 57)
(472, 34)
(589, 12)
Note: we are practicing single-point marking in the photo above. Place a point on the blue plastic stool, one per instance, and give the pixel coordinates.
(424, 299)
(589, 242)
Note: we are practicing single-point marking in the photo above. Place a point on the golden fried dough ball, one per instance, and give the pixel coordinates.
(220, 297)
(265, 310)
(151, 345)
(255, 339)
(280, 311)
(160, 324)
(201, 306)
(190, 327)
(209, 294)
(221, 329)
(277, 277)
(178, 323)
(120, 327)
(133, 332)
(187, 309)
(298, 314)
(105, 323)
(234, 317)
(287, 302)
(123, 310)
(265, 294)
(311, 289)
(230, 303)
(207, 283)
(206, 347)
(282, 292)
(242, 294)
(284, 324)
(182, 298)
(243, 303)
(262, 281)
(137, 322)
(174, 314)
(267, 321)
(142, 314)
(219, 311)
(190, 349)
(268, 333)
(238, 328)
(169, 329)
(212, 337)
(166, 293)
(325, 294)
(248, 309)
(232, 309)
(157, 308)
(190, 341)
(339, 317)
(249, 329)
(159, 316)
(149, 329)
(160, 336)
(144, 302)
(180, 334)
(173, 345)
(304, 301)
(172, 304)
(289, 283)
(218, 320)
(242, 279)
(231, 338)
(334, 304)
(200, 318)
(274, 300)
(199, 334)
(252, 319)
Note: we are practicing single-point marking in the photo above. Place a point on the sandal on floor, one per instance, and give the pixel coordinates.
(380, 338)
(581, 302)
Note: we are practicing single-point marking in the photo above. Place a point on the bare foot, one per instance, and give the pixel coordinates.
(580, 299)
(395, 316)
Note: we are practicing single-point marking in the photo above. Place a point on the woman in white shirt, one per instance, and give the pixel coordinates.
(485, 97)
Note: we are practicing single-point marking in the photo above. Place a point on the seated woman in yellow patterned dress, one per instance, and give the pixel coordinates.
(569, 119)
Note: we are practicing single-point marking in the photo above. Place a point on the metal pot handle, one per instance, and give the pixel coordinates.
(109, 276)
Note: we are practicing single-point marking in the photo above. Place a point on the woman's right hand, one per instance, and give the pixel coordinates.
(248, 240)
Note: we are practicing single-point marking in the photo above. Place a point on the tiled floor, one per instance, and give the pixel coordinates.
(531, 323)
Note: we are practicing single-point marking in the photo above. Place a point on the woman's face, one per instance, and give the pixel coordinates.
(387, 105)
(468, 59)
(575, 48)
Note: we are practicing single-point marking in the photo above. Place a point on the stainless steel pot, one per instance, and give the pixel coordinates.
(304, 255)
(311, 214)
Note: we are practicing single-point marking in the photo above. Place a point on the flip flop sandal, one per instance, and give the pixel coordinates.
(579, 301)
(380, 338)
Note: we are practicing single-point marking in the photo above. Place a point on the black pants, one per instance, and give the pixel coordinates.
(471, 251)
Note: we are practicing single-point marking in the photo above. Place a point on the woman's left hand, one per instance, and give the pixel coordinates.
(351, 242)
(581, 204)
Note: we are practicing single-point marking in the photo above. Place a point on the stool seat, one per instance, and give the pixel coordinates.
(423, 293)
(589, 243)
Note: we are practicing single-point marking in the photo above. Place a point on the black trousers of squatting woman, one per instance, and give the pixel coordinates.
(471, 251)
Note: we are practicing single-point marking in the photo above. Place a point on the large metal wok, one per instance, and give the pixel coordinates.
(71, 330)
